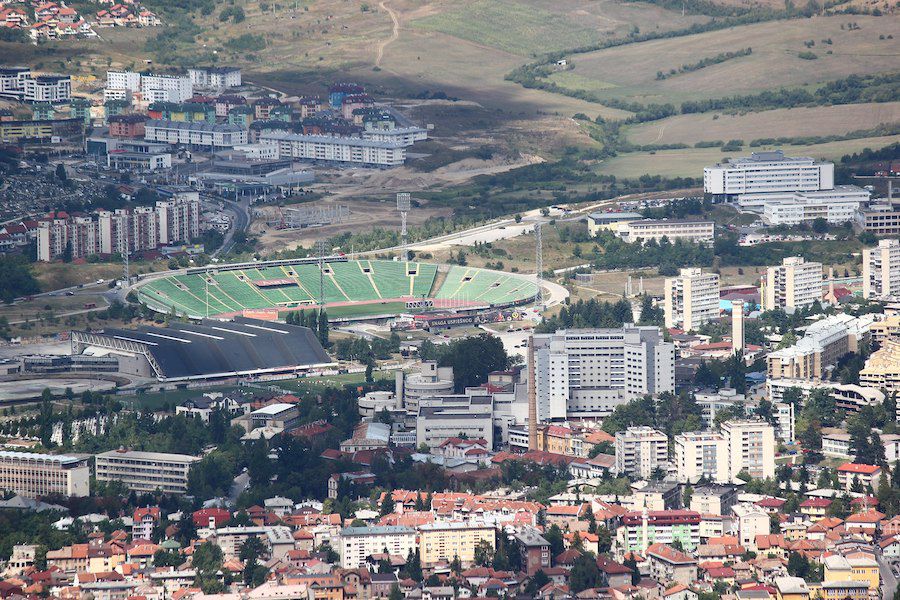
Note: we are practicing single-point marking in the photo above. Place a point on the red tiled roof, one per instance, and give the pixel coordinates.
(859, 468)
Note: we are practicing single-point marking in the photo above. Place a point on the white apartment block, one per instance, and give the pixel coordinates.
(767, 172)
(145, 471)
(352, 150)
(153, 87)
(793, 284)
(404, 136)
(837, 206)
(358, 543)
(123, 80)
(207, 135)
(586, 373)
(19, 83)
(48, 88)
(751, 447)
(640, 451)
(702, 232)
(52, 238)
(215, 77)
(33, 475)
(178, 220)
(691, 299)
(881, 270)
(701, 454)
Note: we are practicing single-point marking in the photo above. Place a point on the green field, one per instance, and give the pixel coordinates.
(783, 122)
(312, 385)
(633, 68)
(511, 26)
(690, 161)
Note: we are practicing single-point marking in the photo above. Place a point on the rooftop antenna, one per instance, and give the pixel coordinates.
(403, 205)
(538, 264)
(320, 250)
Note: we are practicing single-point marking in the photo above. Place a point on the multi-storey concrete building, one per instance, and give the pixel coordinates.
(793, 284)
(672, 229)
(767, 172)
(880, 219)
(19, 83)
(640, 529)
(825, 342)
(701, 454)
(582, 373)
(145, 471)
(358, 543)
(882, 370)
(691, 299)
(430, 380)
(153, 87)
(32, 475)
(140, 228)
(200, 134)
(215, 77)
(881, 270)
(751, 448)
(640, 451)
(462, 415)
(444, 541)
(353, 150)
(837, 206)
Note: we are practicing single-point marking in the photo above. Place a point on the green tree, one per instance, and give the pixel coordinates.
(585, 573)
(387, 504)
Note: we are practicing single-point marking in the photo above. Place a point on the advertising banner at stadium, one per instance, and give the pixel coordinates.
(260, 313)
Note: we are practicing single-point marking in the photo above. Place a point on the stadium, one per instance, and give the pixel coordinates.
(350, 289)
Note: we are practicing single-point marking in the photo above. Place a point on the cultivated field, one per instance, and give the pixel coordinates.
(630, 71)
(785, 122)
(690, 161)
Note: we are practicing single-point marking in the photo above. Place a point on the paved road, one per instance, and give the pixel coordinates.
(888, 580)
(241, 212)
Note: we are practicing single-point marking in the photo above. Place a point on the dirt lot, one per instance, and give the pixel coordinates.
(785, 122)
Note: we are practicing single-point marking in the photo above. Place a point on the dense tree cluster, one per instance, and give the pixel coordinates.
(16, 278)
(588, 313)
(472, 358)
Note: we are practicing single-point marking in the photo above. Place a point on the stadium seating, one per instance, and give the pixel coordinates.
(350, 281)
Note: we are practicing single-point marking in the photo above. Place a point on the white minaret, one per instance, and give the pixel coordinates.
(737, 326)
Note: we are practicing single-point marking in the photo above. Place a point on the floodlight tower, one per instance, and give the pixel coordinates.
(320, 250)
(538, 264)
(403, 205)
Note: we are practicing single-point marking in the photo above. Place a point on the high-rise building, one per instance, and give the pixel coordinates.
(751, 448)
(141, 228)
(33, 475)
(793, 284)
(640, 451)
(691, 299)
(737, 326)
(881, 270)
(153, 87)
(586, 373)
(701, 454)
(52, 239)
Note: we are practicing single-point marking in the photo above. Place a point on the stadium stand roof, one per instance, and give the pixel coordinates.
(212, 349)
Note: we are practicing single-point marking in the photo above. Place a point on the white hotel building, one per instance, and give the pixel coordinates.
(352, 150)
(691, 299)
(881, 270)
(586, 373)
(785, 190)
